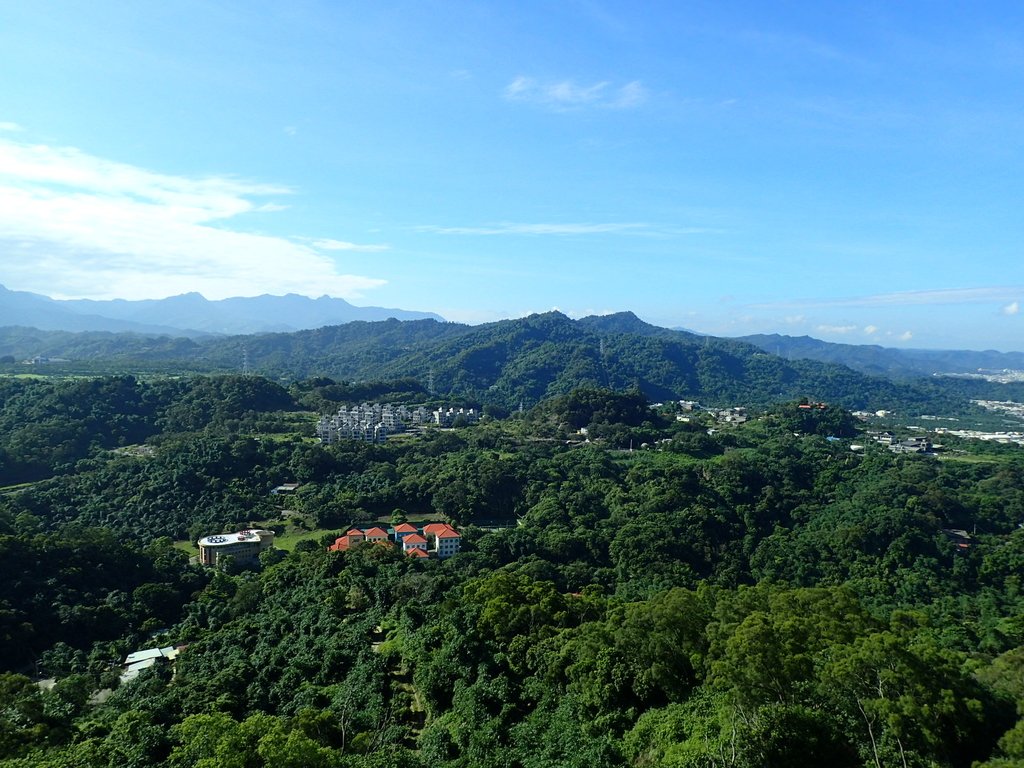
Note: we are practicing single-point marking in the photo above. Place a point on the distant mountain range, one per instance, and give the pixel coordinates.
(505, 363)
(885, 361)
(189, 315)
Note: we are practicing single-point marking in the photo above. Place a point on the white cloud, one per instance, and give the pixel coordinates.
(907, 298)
(328, 244)
(837, 329)
(75, 225)
(565, 95)
(630, 95)
(539, 229)
(795, 319)
(13, 127)
(870, 330)
(1012, 308)
(906, 336)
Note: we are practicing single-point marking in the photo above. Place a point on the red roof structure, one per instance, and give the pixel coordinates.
(341, 544)
(406, 535)
(435, 528)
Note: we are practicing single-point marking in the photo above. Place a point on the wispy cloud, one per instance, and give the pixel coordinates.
(328, 244)
(12, 127)
(539, 229)
(836, 328)
(907, 298)
(1012, 308)
(564, 95)
(79, 225)
(870, 330)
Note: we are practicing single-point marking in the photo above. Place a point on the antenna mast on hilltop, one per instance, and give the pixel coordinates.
(603, 359)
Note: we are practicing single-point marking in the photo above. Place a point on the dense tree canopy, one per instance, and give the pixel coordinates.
(761, 595)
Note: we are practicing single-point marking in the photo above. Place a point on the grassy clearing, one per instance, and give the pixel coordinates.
(293, 536)
(188, 547)
(18, 487)
(968, 458)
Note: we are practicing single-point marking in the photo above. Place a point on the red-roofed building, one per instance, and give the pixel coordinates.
(436, 539)
(402, 530)
(356, 536)
(448, 542)
(341, 544)
(414, 541)
(417, 553)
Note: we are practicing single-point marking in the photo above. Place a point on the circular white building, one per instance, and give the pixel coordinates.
(243, 546)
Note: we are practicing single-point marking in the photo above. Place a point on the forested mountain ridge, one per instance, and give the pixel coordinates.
(520, 361)
(876, 360)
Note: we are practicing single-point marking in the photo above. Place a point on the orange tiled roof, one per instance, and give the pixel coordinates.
(405, 528)
(416, 553)
(376, 532)
(414, 538)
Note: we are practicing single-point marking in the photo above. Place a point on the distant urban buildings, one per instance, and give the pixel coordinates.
(244, 546)
(373, 422)
(438, 540)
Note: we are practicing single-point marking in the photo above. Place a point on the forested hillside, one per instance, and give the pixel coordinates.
(759, 596)
(885, 361)
(514, 361)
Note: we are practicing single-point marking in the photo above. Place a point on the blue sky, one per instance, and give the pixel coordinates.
(849, 171)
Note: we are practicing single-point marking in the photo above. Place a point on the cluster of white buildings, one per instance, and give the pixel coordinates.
(373, 422)
(446, 418)
(369, 422)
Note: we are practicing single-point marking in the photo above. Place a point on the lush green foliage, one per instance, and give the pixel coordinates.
(759, 596)
(510, 362)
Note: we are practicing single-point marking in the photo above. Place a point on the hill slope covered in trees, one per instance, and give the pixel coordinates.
(758, 596)
(520, 361)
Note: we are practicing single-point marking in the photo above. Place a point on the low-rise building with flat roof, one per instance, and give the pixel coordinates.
(135, 662)
(243, 546)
